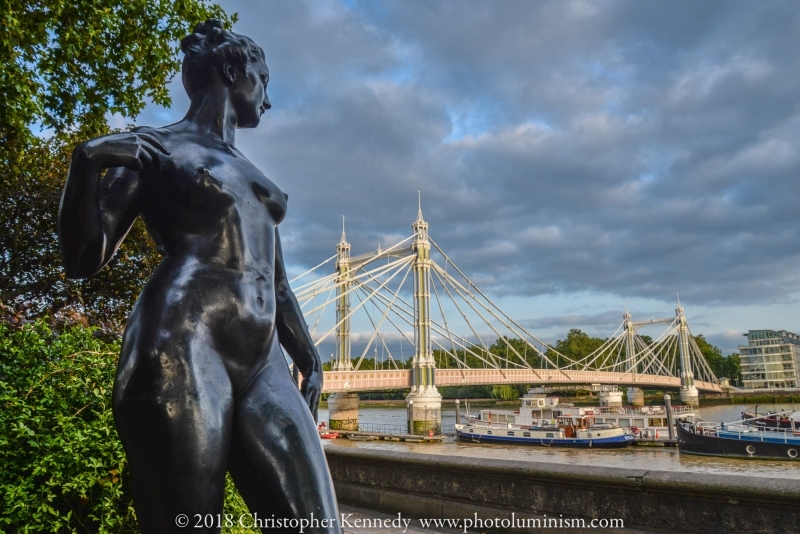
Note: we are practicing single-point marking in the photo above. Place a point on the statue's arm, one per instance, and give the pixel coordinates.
(97, 211)
(294, 335)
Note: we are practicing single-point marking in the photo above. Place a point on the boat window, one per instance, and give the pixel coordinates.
(624, 423)
(488, 431)
(639, 423)
(510, 433)
(526, 434)
(549, 435)
(657, 422)
(589, 434)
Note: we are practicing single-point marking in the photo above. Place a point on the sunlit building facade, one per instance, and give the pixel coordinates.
(770, 360)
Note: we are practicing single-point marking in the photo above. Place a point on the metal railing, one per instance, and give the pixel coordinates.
(448, 430)
(388, 428)
(382, 428)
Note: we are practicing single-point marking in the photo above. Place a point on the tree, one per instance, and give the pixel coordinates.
(65, 66)
(732, 368)
(505, 347)
(31, 276)
(728, 366)
(577, 346)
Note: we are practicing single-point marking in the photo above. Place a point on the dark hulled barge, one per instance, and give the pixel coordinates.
(738, 441)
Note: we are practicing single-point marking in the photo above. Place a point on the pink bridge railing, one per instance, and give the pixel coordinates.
(369, 380)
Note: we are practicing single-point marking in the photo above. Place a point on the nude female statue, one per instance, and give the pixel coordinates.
(202, 386)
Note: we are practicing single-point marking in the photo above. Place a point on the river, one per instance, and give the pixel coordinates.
(651, 458)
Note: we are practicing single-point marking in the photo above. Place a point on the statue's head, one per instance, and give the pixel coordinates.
(213, 55)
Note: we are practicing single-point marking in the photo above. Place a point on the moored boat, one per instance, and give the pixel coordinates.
(568, 431)
(325, 433)
(779, 420)
(737, 440)
(540, 409)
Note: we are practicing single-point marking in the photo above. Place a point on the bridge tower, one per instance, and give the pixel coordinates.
(343, 407)
(689, 394)
(343, 360)
(424, 401)
(635, 395)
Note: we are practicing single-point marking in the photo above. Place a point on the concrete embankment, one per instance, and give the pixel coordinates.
(433, 486)
(750, 397)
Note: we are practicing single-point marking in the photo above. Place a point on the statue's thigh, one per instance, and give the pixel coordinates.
(174, 417)
(277, 461)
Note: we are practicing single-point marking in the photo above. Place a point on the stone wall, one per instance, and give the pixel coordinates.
(433, 486)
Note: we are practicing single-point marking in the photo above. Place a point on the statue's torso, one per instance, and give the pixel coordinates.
(213, 215)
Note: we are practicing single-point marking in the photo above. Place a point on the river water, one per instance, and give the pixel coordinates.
(650, 458)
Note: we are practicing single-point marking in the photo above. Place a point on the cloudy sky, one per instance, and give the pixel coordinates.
(573, 156)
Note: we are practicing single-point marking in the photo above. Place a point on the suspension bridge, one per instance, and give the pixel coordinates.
(457, 336)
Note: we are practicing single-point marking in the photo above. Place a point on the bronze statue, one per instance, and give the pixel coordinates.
(202, 385)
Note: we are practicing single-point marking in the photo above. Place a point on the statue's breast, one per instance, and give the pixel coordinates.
(271, 198)
(235, 185)
(206, 185)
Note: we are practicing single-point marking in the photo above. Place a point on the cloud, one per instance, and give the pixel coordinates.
(605, 320)
(628, 148)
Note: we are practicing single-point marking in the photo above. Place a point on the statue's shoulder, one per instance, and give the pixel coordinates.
(162, 131)
(169, 137)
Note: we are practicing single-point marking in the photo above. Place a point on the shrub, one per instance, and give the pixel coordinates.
(62, 466)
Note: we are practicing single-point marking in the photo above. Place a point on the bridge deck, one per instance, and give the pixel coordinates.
(370, 380)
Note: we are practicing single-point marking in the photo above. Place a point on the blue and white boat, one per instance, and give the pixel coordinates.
(740, 440)
(568, 431)
(537, 408)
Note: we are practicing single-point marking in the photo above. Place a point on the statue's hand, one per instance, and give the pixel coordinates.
(131, 150)
(311, 389)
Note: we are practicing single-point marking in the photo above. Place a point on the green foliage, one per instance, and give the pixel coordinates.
(31, 276)
(476, 357)
(577, 345)
(508, 392)
(386, 394)
(66, 64)
(466, 392)
(728, 366)
(62, 467)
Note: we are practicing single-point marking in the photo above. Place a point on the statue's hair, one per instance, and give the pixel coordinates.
(209, 46)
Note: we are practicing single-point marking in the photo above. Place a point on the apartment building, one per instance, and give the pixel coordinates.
(770, 360)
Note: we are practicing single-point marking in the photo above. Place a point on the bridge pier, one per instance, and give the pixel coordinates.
(424, 413)
(690, 396)
(343, 411)
(609, 396)
(635, 396)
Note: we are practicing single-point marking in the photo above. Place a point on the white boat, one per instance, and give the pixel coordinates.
(538, 409)
(568, 431)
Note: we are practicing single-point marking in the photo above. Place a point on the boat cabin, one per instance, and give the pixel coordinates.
(573, 423)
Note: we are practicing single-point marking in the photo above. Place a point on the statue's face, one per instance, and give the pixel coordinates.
(249, 93)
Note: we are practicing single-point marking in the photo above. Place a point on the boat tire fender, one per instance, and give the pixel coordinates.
(750, 450)
(792, 453)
